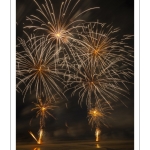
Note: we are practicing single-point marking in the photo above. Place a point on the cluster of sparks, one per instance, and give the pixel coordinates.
(42, 111)
(36, 68)
(39, 141)
(97, 116)
(80, 55)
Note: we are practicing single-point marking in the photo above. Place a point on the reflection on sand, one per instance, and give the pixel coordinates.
(98, 146)
(37, 148)
(79, 145)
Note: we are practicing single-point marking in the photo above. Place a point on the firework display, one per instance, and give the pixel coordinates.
(59, 29)
(102, 48)
(97, 116)
(39, 141)
(92, 83)
(97, 133)
(42, 109)
(36, 67)
(67, 53)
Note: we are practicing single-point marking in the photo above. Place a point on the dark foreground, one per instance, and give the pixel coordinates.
(78, 145)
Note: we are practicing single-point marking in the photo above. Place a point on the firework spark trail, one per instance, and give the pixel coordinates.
(93, 84)
(40, 136)
(33, 135)
(102, 46)
(36, 69)
(97, 133)
(42, 110)
(60, 29)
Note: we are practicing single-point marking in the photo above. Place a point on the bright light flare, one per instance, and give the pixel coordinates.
(40, 137)
(58, 35)
(97, 134)
(96, 113)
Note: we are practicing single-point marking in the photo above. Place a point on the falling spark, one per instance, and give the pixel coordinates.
(66, 105)
(66, 124)
(33, 135)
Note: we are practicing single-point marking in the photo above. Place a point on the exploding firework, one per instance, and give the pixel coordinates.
(102, 46)
(59, 29)
(36, 69)
(97, 115)
(105, 66)
(42, 110)
(92, 84)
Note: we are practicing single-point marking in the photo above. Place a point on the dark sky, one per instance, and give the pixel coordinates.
(119, 13)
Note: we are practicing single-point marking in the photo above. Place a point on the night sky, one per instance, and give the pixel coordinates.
(119, 13)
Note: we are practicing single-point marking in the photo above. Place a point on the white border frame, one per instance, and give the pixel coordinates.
(136, 75)
(13, 75)
(144, 74)
(5, 74)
